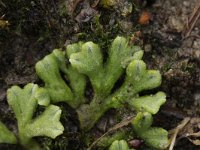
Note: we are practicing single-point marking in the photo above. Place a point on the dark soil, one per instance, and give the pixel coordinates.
(36, 27)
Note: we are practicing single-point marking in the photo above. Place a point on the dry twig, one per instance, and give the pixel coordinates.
(125, 122)
(192, 21)
(176, 131)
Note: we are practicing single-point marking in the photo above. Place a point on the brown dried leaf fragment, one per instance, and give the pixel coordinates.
(188, 128)
(175, 132)
(145, 18)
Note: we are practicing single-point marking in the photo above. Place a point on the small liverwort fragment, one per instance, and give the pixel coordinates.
(6, 136)
(153, 136)
(103, 76)
(119, 145)
(141, 78)
(150, 103)
(49, 70)
(24, 103)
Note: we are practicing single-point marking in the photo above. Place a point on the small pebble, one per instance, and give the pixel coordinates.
(186, 3)
(176, 23)
(197, 54)
(102, 124)
(197, 99)
(147, 48)
(196, 44)
(135, 143)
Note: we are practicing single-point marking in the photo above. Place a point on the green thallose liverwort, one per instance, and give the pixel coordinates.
(119, 145)
(6, 136)
(154, 137)
(80, 62)
(24, 103)
(84, 61)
